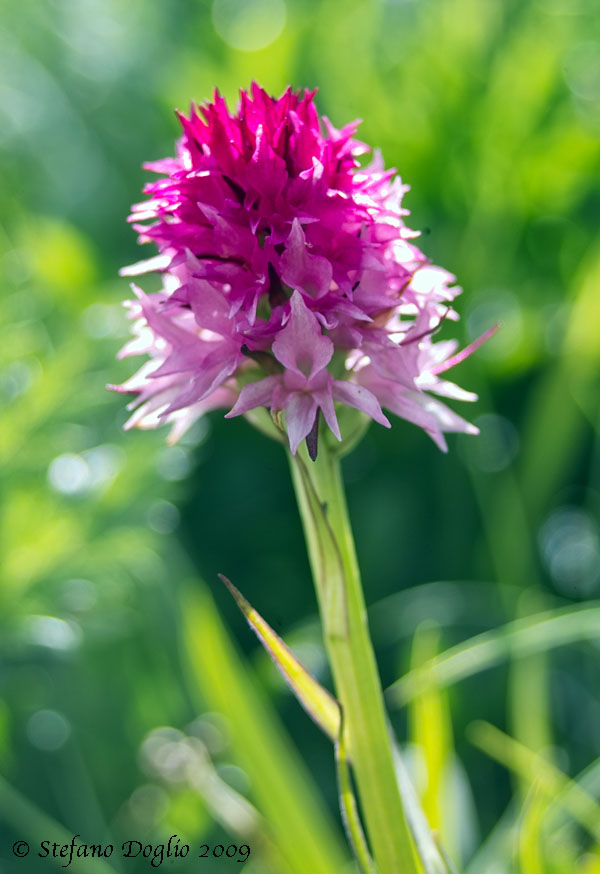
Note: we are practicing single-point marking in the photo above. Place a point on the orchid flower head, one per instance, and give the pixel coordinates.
(289, 279)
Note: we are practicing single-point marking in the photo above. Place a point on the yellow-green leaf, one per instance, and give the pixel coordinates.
(320, 705)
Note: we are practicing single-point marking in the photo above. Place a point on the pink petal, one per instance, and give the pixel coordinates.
(301, 270)
(325, 402)
(397, 364)
(207, 381)
(210, 307)
(360, 398)
(266, 172)
(447, 419)
(255, 394)
(446, 389)
(300, 345)
(157, 262)
(183, 419)
(300, 415)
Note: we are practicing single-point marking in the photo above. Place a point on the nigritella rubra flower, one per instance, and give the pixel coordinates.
(289, 279)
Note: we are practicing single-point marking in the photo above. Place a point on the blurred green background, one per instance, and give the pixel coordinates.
(118, 719)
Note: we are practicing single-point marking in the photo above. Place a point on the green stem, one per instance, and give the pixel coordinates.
(322, 505)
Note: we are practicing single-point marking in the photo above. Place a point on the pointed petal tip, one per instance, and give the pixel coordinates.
(121, 389)
(467, 351)
(139, 292)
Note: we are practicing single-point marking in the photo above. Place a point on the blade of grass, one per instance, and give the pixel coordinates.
(497, 849)
(302, 829)
(430, 729)
(28, 820)
(534, 768)
(429, 852)
(518, 639)
(530, 833)
(589, 780)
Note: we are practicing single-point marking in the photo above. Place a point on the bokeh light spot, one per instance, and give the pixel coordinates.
(582, 70)
(148, 804)
(163, 517)
(570, 547)
(496, 445)
(173, 463)
(69, 474)
(52, 632)
(79, 595)
(104, 462)
(76, 474)
(234, 777)
(502, 306)
(251, 25)
(103, 320)
(48, 730)
(17, 377)
(165, 753)
(212, 730)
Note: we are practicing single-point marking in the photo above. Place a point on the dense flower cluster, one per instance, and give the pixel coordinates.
(289, 279)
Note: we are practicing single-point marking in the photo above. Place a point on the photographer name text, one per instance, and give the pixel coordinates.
(130, 849)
